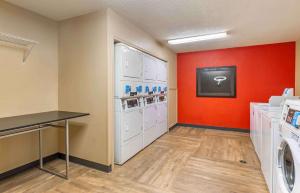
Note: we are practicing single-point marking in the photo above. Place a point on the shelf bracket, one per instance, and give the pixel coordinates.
(18, 42)
(26, 53)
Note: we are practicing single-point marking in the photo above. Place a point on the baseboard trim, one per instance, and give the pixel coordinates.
(171, 128)
(213, 127)
(87, 163)
(27, 166)
(52, 157)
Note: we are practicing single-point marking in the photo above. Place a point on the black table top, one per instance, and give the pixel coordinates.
(30, 120)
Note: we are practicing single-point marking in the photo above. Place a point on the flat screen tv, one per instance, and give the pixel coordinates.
(216, 82)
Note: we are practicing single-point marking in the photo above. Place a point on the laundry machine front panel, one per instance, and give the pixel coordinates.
(149, 116)
(132, 124)
(162, 112)
(150, 67)
(161, 71)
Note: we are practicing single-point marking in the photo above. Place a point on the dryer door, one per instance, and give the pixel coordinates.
(288, 163)
(132, 66)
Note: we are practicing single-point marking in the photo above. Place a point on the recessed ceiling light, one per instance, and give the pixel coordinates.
(198, 38)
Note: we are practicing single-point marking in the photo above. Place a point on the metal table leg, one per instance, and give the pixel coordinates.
(41, 149)
(66, 176)
(67, 147)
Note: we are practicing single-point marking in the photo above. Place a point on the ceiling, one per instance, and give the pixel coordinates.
(249, 22)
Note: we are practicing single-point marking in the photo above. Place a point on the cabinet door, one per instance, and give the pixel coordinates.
(132, 124)
(132, 66)
(149, 65)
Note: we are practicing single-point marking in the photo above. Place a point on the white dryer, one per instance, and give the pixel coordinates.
(288, 161)
(128, 63)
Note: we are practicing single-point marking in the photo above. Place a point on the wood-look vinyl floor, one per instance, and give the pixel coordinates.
(186, 160)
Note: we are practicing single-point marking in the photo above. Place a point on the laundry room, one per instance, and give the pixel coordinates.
(149, 96)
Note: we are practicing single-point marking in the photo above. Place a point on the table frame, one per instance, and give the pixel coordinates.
(40, 128)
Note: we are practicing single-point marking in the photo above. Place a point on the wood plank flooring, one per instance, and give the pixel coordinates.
(186, 160)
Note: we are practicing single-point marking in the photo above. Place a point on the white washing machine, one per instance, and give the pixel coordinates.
(270, 127)
(162, 114)
(150, 120)
(128, 129)
(256, 131)
(254, 107)
(288, 161)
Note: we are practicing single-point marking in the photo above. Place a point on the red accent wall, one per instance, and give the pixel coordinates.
(262, 71)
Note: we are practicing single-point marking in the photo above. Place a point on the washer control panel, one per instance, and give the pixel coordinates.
(291, 114)
(293, 117)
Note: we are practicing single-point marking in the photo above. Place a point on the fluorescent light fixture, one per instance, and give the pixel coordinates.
(199, 38)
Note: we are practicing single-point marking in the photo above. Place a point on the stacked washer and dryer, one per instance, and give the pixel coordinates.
(140, 101)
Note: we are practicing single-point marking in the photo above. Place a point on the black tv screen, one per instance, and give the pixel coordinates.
(216, 82)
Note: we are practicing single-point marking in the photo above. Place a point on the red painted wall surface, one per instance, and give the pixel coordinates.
(262, 71)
